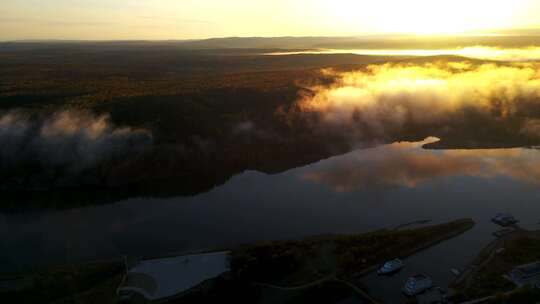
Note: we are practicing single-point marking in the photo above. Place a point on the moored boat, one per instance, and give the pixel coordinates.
(417, 284)
(504, 219)
(391, 267)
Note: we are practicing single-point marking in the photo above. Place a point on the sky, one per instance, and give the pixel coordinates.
(194, 19)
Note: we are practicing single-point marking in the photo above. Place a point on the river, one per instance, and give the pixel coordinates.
(363, 190)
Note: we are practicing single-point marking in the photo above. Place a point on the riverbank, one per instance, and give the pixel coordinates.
(484, 277)
(265, 272)
(327, 266)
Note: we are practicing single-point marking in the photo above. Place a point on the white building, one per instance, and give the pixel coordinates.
(159, 279)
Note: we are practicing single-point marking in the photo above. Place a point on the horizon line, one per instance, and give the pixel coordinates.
(381, 36)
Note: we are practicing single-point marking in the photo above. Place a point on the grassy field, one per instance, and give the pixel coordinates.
(314, 270)
(298, 262)
(90, 283)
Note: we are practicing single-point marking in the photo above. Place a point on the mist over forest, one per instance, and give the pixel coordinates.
(111, 115)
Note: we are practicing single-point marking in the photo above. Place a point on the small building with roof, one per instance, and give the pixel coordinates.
(160, 279)
(504, 220)
(528, 274)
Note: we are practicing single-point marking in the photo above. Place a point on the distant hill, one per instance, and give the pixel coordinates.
(509, 39)
(369, 42)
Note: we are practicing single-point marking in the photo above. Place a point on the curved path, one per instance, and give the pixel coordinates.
(330, 278)
(300, 287)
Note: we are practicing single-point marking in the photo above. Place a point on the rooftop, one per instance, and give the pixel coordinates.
(530, 269)
(162, 278)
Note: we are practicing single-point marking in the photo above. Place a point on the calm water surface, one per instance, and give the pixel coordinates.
(359, 191)
(478, 52)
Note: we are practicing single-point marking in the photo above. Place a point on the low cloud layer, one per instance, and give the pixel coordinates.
(392, 98)
(64, 143)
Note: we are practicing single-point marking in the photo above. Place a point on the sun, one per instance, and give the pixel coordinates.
(424, 17)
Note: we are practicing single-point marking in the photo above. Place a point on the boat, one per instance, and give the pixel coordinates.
(391, 267)
(504, 219)
(456, 272)
(417, 284)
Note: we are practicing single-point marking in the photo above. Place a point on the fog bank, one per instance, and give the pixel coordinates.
(64, 143)
(459, 97)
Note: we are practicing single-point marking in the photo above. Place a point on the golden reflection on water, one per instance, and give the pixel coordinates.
(477, 52)
(407, 165)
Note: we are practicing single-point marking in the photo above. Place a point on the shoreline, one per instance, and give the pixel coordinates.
(110, 269)
(121, 258)
(494, 261)
(423, 247)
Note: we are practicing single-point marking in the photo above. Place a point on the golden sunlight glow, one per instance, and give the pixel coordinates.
(426, 17)
(478, 52)
(181, 19)
(388, 94)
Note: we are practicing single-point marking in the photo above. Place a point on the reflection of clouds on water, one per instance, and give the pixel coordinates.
(408, 165)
